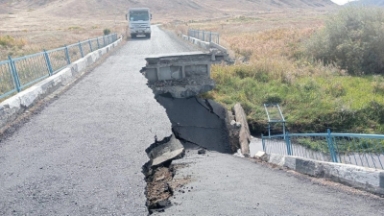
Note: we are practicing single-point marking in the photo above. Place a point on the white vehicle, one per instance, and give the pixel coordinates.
(139, 22)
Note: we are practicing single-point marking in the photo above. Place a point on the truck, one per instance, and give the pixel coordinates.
(139, 20)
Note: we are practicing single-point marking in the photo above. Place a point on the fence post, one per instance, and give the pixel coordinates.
(331, 146)
(263, 143)
(103, 40)
(98, 44)
(81, 50)
(48, 62)
(90, 45)
(67, 55)
(14, 74)
(288, 143)
(203, 35)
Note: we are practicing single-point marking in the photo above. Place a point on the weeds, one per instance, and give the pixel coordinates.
(315, 95)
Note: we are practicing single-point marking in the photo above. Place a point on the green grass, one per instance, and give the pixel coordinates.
(310, 104)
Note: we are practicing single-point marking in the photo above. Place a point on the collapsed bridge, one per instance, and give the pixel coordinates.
(177, 81)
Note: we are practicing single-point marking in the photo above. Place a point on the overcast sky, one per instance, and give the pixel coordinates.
(341, 2)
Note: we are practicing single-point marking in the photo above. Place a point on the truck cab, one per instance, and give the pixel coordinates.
(139, 22)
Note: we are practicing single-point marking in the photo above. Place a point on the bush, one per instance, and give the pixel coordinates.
(353, 39)
(106, 31)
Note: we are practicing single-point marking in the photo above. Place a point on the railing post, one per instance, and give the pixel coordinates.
(331, 146)
(15, 76)
(288, 143)
(210, 37)
(98, 44)
(67, 55)
(90, 45)
(48, 62)
(263, 143)
(203, 35)
(81, 50)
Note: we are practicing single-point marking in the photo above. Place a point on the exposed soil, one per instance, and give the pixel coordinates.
(160, 185)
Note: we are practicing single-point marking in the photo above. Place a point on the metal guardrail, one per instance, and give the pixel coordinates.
(19, 73)
(205, 35)
(359, 149)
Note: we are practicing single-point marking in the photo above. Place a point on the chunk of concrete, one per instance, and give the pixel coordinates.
(164, 151)
(245, 134)
(260, 155)
(182, 75)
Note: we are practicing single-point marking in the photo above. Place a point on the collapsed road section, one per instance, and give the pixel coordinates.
(177, 80)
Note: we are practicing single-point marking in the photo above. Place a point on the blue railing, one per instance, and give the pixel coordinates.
(359, 149)
(205, 35)
(19, 73)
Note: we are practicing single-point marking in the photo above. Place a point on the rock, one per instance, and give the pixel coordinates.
(260, 155)
(201, 151)
(239, 154)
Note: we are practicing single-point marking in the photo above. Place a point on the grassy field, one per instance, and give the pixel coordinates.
(272, 67)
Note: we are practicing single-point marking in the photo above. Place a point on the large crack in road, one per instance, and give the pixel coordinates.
(176, 81)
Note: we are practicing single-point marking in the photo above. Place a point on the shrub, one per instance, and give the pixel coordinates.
(106, 31)
(353, 39)
(9, 41)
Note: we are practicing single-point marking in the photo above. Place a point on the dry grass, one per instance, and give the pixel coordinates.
(271, 66)
(44, 24)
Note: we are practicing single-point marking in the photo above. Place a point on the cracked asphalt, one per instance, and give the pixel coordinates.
(82, 154)
(222, 184)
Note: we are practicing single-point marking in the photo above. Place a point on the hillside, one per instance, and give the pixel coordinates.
(368, 2)
(37, 24)
(163, 10)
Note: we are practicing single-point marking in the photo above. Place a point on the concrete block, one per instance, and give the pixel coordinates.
(352, 175)
(308, 167)
(29, 96)
(9, 109)
(290, 162)
(276, 159)
(381, 176)
(245, 134)
(260, 155)
(165, 150)
(81, 64)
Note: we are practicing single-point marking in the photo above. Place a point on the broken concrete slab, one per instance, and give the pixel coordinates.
(182, 74)
(165, 150)
(245, 134)
(197, 121)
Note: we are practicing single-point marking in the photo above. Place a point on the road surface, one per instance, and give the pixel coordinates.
(82, 155)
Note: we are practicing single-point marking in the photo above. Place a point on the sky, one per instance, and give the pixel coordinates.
(341, 2)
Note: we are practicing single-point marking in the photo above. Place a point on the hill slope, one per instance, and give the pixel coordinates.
(162, 9)
(368, 2)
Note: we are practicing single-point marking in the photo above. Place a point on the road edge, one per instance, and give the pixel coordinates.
(363, 178)
(15, 106)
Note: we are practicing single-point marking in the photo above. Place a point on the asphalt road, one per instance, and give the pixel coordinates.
(221, 184)
(82, 155)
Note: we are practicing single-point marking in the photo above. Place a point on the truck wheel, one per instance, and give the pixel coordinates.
(133, 35)
(148, 35)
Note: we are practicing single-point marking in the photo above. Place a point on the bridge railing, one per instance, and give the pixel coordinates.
(207, 36)
(19, 73)
(359, 149)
